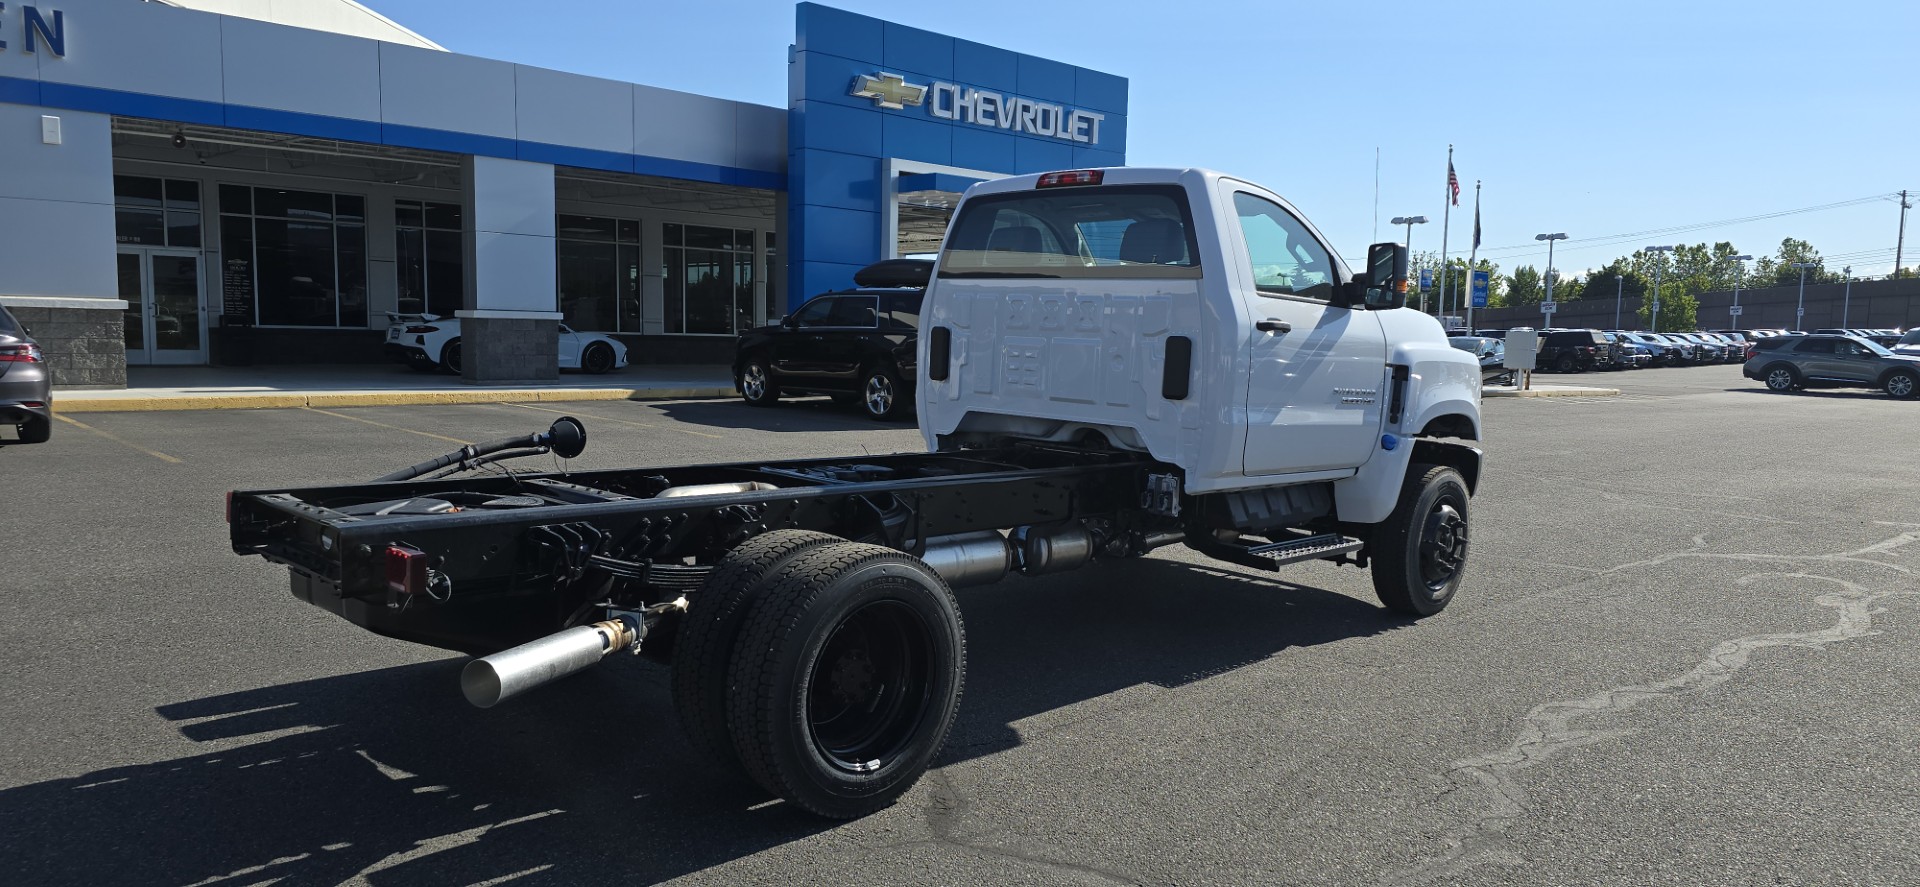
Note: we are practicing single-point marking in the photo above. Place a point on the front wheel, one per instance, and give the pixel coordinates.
(757, 387)
(1420, 550)
(1902, 385)
(846, 679)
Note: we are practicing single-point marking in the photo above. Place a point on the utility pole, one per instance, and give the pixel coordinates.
(1619, 289)
(1900, 243)
(1846, 301)
(1801, 311)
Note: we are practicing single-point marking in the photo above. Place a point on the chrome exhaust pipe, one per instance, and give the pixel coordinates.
(491, 680)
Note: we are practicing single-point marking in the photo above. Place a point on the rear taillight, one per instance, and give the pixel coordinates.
(406, 570)
(229, 506)
(20, 354)
(423, 329)
(1075, 177)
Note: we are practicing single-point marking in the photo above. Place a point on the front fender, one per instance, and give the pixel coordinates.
(1442, 382)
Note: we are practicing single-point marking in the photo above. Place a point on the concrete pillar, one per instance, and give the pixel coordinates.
(510, 329)
(57, 241)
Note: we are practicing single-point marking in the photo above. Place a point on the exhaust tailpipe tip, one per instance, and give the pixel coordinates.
(491, 680)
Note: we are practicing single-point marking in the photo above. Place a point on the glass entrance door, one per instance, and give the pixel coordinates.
(162, 289)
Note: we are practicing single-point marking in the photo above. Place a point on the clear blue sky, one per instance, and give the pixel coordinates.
(1603, 118)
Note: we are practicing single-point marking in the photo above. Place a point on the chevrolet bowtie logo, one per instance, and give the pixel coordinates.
(888, 90)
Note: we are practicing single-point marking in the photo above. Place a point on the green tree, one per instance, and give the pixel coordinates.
(1778, 270)
(1523, 287)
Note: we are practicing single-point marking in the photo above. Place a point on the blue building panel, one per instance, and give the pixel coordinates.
(1098, 91)
(982, 149)
(813, 278)
(828, 178)
(1046, 79)
(826, 126)
(986, 66)
(1038, 155)
(1094, 158)
(926, 141)
(840, 235)
(911, 49)
(837, 32)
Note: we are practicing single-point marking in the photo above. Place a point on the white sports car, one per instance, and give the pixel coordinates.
(428, 341)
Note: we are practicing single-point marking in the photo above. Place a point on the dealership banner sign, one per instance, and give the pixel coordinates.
(964, 104)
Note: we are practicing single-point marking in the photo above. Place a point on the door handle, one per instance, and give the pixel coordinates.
(1271, 325)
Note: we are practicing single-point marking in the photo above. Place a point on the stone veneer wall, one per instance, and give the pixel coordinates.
(495, 349)
(85, 347)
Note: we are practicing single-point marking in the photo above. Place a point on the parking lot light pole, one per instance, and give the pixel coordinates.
(1619, 289)
(1734, 314)
(1653, 316)
(1846, 298)
(1551, 274)
(1411, 221)
(1800, 312)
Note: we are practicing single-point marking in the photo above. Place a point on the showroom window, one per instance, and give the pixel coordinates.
(598, 266)
(707, 275)
(156, 212)
(297, 258)
(428, 257)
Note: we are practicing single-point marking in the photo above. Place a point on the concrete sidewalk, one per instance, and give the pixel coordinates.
(272, 387)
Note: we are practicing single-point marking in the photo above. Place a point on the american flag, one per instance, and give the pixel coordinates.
(1453, 182)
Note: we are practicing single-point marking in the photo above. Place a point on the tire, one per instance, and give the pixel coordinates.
(1564, 364)
(1420, 552)
(757, 386)
(35, 430)
(703, 647)
(1901, 385)
(597, 359)
(450, 356)
(880, 395)
(1782, 377)
(847, 679)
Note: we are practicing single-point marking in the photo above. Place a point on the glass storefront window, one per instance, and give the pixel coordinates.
(427, 255)
(598, 266)
(149, 211)
(298, 259)
(708, 279)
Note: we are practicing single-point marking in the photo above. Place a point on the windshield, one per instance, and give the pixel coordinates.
(1872, 346)
(1121, 231)
(7, 326)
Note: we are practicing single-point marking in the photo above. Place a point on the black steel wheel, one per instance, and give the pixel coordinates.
(1901, 384)
(757, 386)
(1420, 551)
(847, 678)
(1782, 377)
(881, 395)
(450, 357)
(597, 359)
(35, 430)
(703, 646)
(1564, 364)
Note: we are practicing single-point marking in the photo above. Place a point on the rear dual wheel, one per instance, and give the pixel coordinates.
(846, 666)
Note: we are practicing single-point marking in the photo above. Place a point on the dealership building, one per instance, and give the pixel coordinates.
(220, 181)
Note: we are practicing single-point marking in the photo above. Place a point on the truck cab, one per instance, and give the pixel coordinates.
(1190, 315)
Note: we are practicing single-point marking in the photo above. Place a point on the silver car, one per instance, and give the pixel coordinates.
(26, 388)
(1819, 361)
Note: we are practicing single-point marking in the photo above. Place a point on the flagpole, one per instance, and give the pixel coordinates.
(1473, 256)
(1446, 222)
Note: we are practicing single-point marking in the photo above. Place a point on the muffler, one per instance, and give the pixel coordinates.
(490, 680)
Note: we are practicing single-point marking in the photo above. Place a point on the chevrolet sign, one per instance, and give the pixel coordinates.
(947, 101)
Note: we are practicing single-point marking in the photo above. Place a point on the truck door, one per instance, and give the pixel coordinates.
(1314, 392)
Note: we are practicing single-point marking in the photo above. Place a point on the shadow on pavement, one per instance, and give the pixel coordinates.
(804, 414)
(1829, 393)
(389, 775)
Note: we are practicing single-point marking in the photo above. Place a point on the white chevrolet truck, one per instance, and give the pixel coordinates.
(1111, 361)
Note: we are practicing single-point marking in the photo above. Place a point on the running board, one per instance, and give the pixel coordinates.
(1274, 555)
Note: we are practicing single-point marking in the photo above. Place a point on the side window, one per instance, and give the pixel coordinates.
(814, 313)
(1814, 346)
(1287, 260)
(854, 311)
(904, 313)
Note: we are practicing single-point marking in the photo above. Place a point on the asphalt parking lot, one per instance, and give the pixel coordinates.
(1682, 656)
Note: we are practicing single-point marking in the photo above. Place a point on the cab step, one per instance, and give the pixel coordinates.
(1273, 555)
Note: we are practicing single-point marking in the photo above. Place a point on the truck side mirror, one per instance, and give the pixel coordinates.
(1386, 279)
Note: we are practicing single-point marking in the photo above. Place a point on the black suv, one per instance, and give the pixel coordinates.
(1573, 351)
(856, 345)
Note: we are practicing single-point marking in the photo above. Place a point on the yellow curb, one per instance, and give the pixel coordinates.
(1551, 392)
(375, 399)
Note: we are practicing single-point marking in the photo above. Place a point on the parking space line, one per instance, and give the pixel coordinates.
(385, 425)
(118, 439)
(578, 414)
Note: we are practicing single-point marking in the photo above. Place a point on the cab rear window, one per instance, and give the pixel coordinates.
(1119, 231)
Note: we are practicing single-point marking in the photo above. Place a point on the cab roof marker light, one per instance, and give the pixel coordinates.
(1071, 177)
